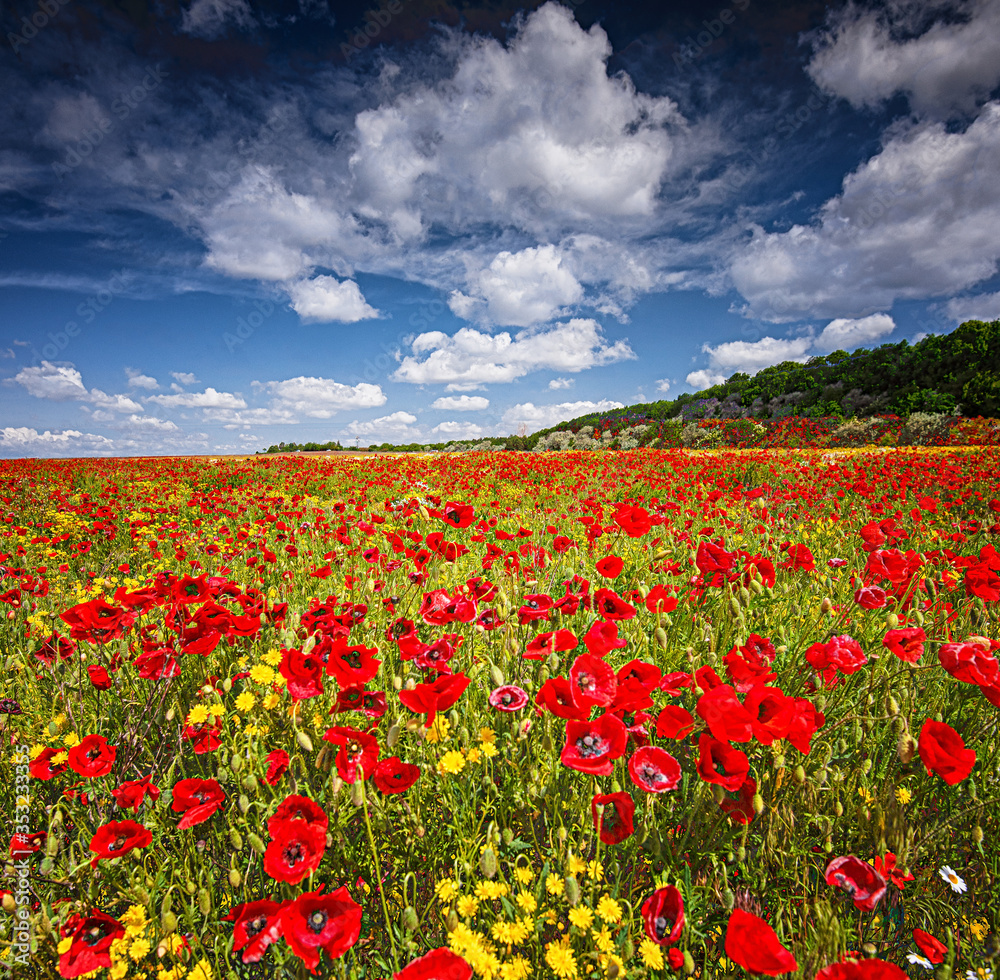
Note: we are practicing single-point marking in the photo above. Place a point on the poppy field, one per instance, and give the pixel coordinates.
(575, 715)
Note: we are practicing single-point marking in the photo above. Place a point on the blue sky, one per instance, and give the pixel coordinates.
(225, 225)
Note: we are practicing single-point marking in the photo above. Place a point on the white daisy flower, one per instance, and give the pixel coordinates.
(951, 876)
(920, 960)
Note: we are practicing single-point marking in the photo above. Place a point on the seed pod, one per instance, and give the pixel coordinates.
(572, 890)
(392, 736)
(488, 863)
(168, 923)
(250, 783)
(204, 901)
(256, 843)
(234, 878)
(304, 740)
(235, 839)
(496, 675)
(660, 635)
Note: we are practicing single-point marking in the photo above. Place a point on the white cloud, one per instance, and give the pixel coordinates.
(136, 379)
(208, 18)
(209, 398)
(184, 377)
(397, 426)
(324, 299)
(862, 58)
(663, 386)
(463, 403)
(704, 379)
(742, 355)
(985, 306)
(458, 430)
(471, 357)
(319, 398)
(533, 416)
(59, 383)
(522, 288)
(560, 384)
(917, 220)
(844, 334)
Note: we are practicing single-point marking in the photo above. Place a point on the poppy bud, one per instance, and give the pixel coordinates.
(758, 804)
(204, 901)
(235, 839)
(688, 962)
(907, 748)
(392, 736)
(488, 863)
(660, 635)
(168, 923)
(304, 740)
(235, 878)
(572, 890)
(256, 843)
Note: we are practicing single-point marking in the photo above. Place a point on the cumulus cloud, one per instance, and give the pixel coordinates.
(916, 220)
(471, 357)
(844, 334)
(533, 416)
(209, 398)
(985, 306)
(320, 398)
(704, 379)
(862, 57)
(461, 403)
(458, 430)
(324, 299)
(136, 379)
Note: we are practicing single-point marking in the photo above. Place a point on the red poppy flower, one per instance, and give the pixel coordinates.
(303, 673)
(725, 716)
(394, 776)
(432, 698)
(298, 808)
(438, 964)
(861, 970)
(295, 851)
(932, 948)
(92, 757)
(612, 606)
(907, 644)
(552, 642)
(654, 769)
(617, 821)
(592, 746)
(555, 696)
(674, 721)
(752, 944)
(41, 766)
(357, 750)
(197, 799)
(91, 938)
(942, 750)
(314, 922)
(255, 926)
(663, 915)
(969, 663)
(734, 764)
(610, 566)
(602, 638)
(131, 794)
(118, 837)
(866, 885)
(592, 682)
(508, 697)
(634, 521)
(277, 766)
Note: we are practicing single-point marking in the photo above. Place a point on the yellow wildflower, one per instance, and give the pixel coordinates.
(468, 906)
(561, 961)
(197, 715)
(527, 902)
(554, 885)
(609, 910)
(245, 702)
(651, 954)
(581, 917)
(452, 762)
(446, 890)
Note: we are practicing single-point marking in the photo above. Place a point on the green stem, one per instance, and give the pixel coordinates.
(378, 870)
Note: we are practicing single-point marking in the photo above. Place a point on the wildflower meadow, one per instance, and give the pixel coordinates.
(628, 714)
